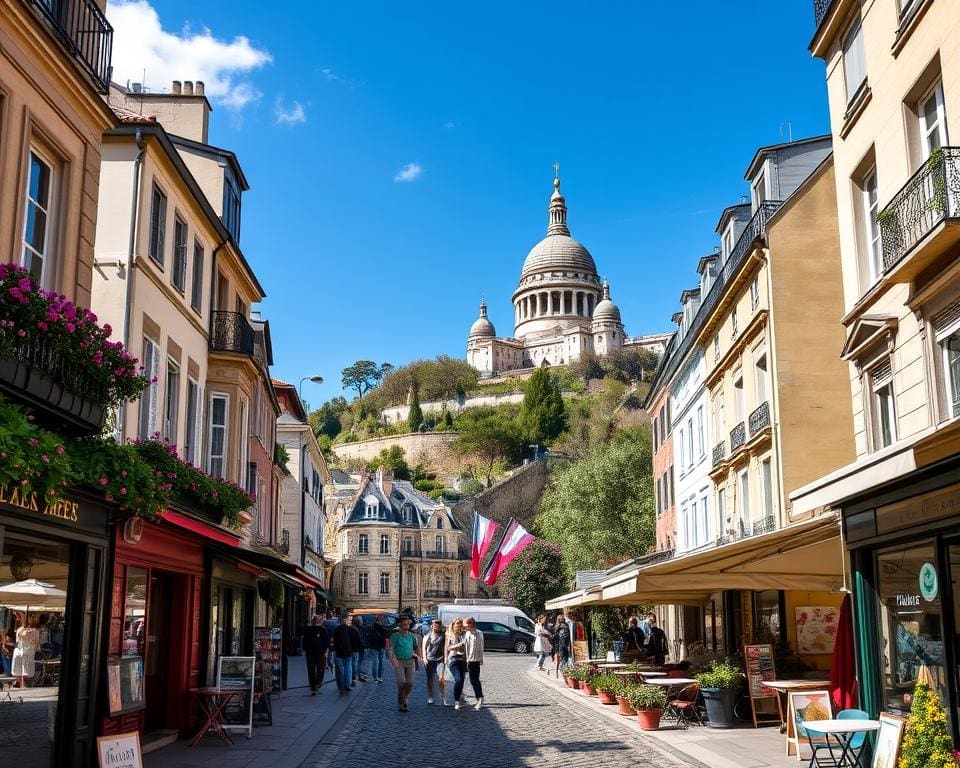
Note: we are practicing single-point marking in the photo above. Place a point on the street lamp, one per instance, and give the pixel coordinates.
(314, 379)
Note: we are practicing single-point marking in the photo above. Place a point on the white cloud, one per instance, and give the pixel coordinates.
(409, 172)
(292, 116)
(144, 51)
(449, 125)
(328, 74)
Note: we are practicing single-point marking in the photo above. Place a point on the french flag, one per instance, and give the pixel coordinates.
(514, 540)
(483, 530)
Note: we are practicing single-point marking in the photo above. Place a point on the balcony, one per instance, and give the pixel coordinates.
(719, 452)
(411, 552)
(438, 593)
(765, 525)
(760, 418)
(438, 555)
(738, 436)
(84, 31)
(925, 210)
(820, 10)
(230, 332)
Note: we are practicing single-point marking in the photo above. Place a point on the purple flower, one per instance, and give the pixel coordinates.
(25, 284)
(34, 442)
(103, 481)
(60, 450)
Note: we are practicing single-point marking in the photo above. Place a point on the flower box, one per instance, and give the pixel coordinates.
(54, 403)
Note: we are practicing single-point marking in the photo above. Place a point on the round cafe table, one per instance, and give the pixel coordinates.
(844, 732)
(611, 665)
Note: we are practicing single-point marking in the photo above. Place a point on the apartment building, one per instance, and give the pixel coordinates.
(661, 428)
(893, 85)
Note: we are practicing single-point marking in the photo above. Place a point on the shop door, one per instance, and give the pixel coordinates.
(159, 644)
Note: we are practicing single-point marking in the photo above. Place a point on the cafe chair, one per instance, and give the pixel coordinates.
(684, 707)
(858, 740)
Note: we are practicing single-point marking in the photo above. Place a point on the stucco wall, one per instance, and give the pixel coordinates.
(434, 450)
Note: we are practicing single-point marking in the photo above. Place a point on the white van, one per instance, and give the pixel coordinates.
(504, 627)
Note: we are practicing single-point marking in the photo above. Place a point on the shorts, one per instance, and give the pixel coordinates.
(435, 669)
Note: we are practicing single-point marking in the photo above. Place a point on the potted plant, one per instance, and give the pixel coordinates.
(586, 684)
(606, 687)
(623, 701)
(719, 685)
(571, 676)
(648, 701)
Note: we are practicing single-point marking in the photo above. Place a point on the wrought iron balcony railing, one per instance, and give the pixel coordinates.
(437, 555)
(411, 551)
(930, 196)
(765, 525)
(230, 332)
(738, 436)
(820, 10)
(719, 452)
(760, 418)
(84, 31)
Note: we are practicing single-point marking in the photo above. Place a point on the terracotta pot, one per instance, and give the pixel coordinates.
(606, 698)
(571, 683)
(625, 708)
(649, 719)
(587, 688)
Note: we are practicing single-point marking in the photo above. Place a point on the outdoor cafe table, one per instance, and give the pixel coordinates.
(213, 702)
(612, 665)
(670, 682)
(843, 731)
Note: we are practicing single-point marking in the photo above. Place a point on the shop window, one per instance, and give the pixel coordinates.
(911, 636)
(134, 613)
(767, 615)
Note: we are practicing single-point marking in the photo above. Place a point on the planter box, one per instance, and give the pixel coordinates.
(53, 403)
(571, 683)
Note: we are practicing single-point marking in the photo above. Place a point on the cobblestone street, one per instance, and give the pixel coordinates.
(521, 724)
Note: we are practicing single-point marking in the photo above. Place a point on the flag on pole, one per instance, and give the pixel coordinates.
(483, 530)
(515, 539)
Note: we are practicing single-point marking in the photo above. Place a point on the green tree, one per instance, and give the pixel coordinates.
(491, 435)
(436, 379)
(326, 420)
(631, 364)
(587, 366)
(364, 375)
(542, 415)
(600, 509)
(535, 576)
(392, 460)
(415, 416)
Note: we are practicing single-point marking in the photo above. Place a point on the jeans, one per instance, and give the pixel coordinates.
(458, 668)
(316, 670)
(473, 669)
(541, 657)
(376, 662)
(435, 670)
(344, 667)
(358, 664)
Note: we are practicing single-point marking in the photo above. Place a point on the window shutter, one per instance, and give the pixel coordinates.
(154, 388)
(881, 374)
(198, 428)
(945, 320)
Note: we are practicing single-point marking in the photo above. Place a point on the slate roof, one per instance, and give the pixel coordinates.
(403, 498)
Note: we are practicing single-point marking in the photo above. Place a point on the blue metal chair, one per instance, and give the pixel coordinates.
(855, 745)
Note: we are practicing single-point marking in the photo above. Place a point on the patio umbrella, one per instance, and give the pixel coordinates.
(31, 594)
(843, 667)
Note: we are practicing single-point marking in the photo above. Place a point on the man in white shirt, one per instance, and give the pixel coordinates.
(474, 659)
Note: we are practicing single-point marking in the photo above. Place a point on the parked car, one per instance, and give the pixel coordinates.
(500, 637)
(369, 615)
(513, 617)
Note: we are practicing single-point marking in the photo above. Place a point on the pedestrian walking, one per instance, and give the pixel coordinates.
(343, 657)
(475, 659)
(330, 624)
(561, 646)
(316, 643)
(378, 637)
(456, 655)
(403, 653)
(358, 643)
(542, 645)
(432, 651)
(657, 644)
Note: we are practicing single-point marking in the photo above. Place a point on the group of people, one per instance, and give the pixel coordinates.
(344, 645)
(554, 638)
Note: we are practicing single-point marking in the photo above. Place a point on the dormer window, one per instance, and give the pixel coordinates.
(758, 191)
(439, 523)
(728, 242)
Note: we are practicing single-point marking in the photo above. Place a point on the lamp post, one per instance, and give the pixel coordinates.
(314, 379)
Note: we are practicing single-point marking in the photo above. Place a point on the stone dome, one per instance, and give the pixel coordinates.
(606, 310)
(558, 252)
(482, 327)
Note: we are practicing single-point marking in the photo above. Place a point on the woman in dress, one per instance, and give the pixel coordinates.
(455, 652)
(541, 644)
(25, 653)
(433, 643)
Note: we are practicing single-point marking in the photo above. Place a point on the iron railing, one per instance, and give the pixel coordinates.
(765, 525)
(930, 196)
(820, 10)
(719, 452)
(411, 551)
(437, 555)
(760, 418)
(437, 593)
(230, 332)
(738, 436)
(84, 31)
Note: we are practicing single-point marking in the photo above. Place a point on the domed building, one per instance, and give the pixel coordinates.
(560, 307)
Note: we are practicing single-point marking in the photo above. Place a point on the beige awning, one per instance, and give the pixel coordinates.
(586, 596)
(805, 556)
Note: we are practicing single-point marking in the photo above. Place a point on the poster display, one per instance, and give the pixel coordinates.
(758, 660)
(887, 751)
(801, 706)
(125, 688)
(268, 649)
(581, 651)
(120, 751)
(816, 628)
(237, 673)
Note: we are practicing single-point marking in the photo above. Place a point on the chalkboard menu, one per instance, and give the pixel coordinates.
(267, 646)
(759, 660)
(237, 673)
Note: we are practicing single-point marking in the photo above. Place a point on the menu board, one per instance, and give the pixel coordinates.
(581, 651)
(125, 688)
(237, 673)
(120, 751)
(267, 644)
(758, 660)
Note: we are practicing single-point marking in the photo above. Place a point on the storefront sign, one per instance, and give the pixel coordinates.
(919, 509)
(30, 501)
(907, 601)
(929, 584)
(120, 751)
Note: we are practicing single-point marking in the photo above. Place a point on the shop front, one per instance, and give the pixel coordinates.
(233, 595)
(53, 559)
(904, 543)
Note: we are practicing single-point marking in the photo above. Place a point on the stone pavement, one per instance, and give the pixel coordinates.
(522, 723)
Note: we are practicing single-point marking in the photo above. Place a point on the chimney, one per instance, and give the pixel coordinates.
(188, 87)
(380, 479)
(198, 87)
(175, 88)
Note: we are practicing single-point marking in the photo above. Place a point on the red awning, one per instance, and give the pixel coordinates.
(202, 529)
(308, 581)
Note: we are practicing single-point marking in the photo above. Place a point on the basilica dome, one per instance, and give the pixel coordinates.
(482, 327)
(606, 310)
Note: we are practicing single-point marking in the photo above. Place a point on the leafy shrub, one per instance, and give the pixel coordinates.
(646, 697)
(926, 741)
(607, 683)
(721, 674)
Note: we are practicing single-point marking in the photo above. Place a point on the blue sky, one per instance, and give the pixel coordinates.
(653, 111)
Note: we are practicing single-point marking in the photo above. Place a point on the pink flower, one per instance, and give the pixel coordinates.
(60, 450)
(25, 284)
(44, 458)
(34, 442)
(21, 333)
(103, 481)
(123, 491)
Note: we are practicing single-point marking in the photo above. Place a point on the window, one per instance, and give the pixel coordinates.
(854, 61)
(738, 397)
(251, 482)
(158, 225)
(691, 526)
(720, 509)
(703, 524)
(384, 583)
(217, 437)
(882, 406)
(680, 452)
(906, 7)
(754, 294)
(874, 254)
(231, 206)
(196, 284)
(191, 443)
(409, 585)
(371, 508)
(147, 426)
(38, 220)
(700, 437)
(439, 522)
(439, 545)
(244, 444)
(733, 323)
(363, 544)
(766, 477)
(178, 275)
(171, 405)
(947, 333)
(690, 442)
(933, 123)
(759, 190)
(760, 375)
(744, 491)
(407, 545)
(363, 587)
(384, 544)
